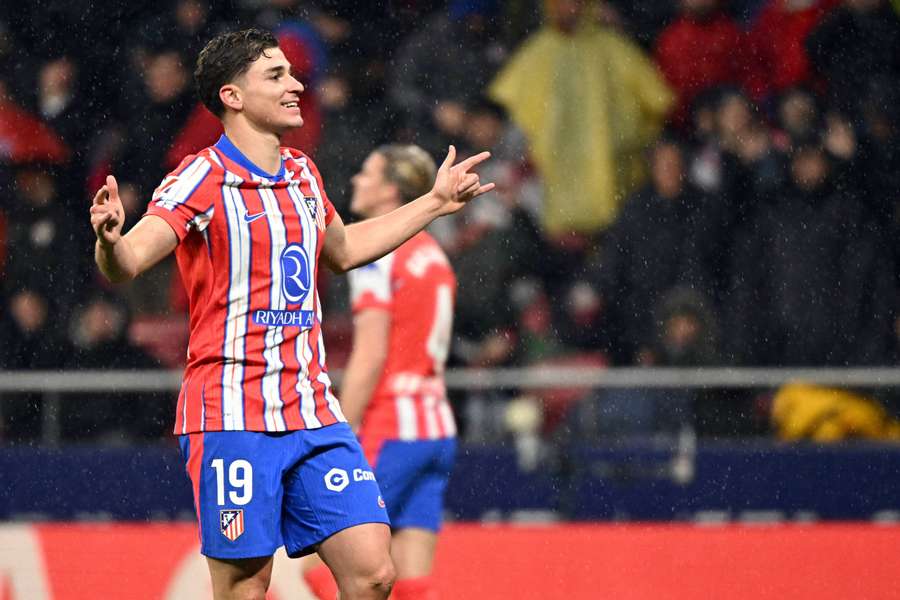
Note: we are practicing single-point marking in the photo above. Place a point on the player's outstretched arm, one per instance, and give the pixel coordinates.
(347, 247)
(119, 257)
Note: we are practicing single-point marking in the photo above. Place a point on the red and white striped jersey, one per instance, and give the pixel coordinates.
(416, 285)
(248, 254)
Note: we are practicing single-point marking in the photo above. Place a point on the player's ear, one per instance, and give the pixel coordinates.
(231, 96)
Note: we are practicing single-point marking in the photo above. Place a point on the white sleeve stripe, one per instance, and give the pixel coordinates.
(185, 186)
(374, 278)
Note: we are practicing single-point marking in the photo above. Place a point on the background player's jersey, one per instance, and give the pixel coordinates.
(249, 255)
(416, 284)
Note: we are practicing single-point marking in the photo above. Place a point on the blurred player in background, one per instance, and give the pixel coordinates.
(267, 448)
(393, 389)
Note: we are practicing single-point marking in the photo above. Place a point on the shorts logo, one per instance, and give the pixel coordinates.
(296, 278)
(231, 522)
(380, 502)
(336, 480)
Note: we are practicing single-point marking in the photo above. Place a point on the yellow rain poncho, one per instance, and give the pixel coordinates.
(589, 102)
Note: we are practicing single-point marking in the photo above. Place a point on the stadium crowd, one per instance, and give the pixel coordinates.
(679, 184)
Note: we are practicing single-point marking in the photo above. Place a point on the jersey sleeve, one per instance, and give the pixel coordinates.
(182, 199)
(370, 285)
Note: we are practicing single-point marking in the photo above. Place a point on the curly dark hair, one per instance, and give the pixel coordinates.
(225, 58)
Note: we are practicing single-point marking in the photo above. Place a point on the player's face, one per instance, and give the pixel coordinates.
(371, 191)
(271, 95)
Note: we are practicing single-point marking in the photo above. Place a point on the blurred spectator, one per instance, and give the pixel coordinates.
(30, 341)
(152, 123)
(607, 102)
(776, 45)
(185, 27)
(432, 88)
(798, 116)
(97, 335)
(810, 285)
(701, 49)
(44, 253)
(347, 98)
(856, 44)
(647, 251)
(24, 137)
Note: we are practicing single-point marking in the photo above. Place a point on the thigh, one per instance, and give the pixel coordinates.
(332, 488)
(240, 578)
(412, 550)
(357, 550)
(236, 478)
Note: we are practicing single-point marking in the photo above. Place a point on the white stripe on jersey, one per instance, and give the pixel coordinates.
(407, 428)
(238, 305)
(374, 277)
(333, 404)
(447, 419)
(273, 405)
(187, 182)
(201, 221)
(184, 389)
(303, 349)
(429, 405)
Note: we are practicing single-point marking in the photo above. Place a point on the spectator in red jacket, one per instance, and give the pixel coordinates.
(776, 44)
(702, 48)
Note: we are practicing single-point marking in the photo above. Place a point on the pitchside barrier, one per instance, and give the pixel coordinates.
(682, 518)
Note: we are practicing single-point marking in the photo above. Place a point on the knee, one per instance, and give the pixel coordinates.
(375, 582)
(382, 580)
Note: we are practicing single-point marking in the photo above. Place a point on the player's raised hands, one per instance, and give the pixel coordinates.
(455, 185)
(107, 214)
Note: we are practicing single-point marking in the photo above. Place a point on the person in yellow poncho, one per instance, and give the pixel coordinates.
(589, 101)
(810, 412)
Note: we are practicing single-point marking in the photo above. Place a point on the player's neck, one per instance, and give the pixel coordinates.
(262, 148)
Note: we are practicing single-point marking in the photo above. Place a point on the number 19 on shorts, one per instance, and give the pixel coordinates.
(240, 481)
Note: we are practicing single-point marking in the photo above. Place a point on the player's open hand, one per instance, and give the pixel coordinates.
(455, 185)
(107, 214)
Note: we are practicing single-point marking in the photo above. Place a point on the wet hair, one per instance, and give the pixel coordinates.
(225, 58)
(408, 167)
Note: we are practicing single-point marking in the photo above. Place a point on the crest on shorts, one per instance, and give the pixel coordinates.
(231, 522)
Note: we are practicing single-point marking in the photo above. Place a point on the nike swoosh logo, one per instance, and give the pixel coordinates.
(250, 218)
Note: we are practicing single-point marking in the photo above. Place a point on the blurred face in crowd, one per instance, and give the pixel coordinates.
(682, 330)
(798, 114)
(699, 8)
(372, 192)
(734, 115)
(862, 6)
(56, 77)
(36, 187)
(565, 14)
(483, 129)
(267, 94)
(100, 321)
(28, 310)
(166, 77)
(191, 14)
(809, 168)
(667, 170)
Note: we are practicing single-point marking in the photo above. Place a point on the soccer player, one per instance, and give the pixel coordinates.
(393, 390)
(268, 450)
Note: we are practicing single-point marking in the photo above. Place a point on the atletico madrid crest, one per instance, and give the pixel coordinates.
(315, 211)
(231, 523)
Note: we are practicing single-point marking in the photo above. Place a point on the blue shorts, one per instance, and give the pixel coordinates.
(256, 491)
(413, 477)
